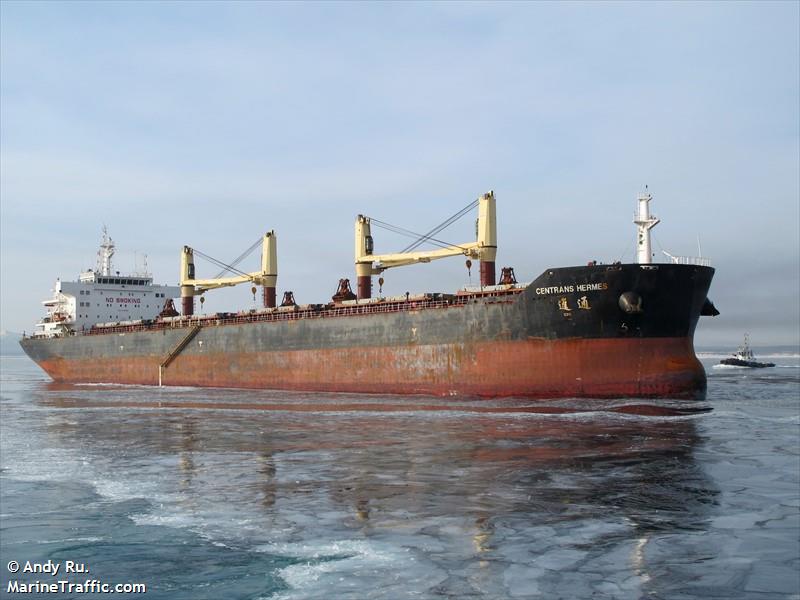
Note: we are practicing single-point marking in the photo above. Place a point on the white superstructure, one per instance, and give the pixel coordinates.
(103, 296)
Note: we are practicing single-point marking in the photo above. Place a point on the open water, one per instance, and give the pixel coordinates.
(231, 494)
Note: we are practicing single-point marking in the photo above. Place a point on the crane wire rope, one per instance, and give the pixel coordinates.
(427, 237)
(407, 233)
(219, 263)
(452, 219)
(240, 258)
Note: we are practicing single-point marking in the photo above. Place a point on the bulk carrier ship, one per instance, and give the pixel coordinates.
(599, 330)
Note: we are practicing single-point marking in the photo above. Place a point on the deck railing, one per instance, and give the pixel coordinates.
(691, 260)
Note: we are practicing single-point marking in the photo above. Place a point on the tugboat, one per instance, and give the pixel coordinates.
(744, 357)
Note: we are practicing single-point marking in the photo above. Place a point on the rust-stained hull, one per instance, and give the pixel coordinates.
(535, 368)
(567, 334)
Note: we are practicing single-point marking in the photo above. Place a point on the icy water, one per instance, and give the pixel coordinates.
(231, 494)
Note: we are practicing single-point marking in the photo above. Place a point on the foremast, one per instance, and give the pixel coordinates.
(644, 223)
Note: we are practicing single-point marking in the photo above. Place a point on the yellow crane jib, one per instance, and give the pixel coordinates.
(484, 249)
(266, 277)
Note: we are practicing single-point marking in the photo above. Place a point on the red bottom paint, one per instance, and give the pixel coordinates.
(534, 368)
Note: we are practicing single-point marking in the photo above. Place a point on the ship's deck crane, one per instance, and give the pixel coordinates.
(483, 249)
(266, 277)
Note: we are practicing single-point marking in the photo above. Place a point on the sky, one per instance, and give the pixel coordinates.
(208, 124)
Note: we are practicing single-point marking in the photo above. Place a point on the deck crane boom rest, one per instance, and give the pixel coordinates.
(484, 249)
(267, 277)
